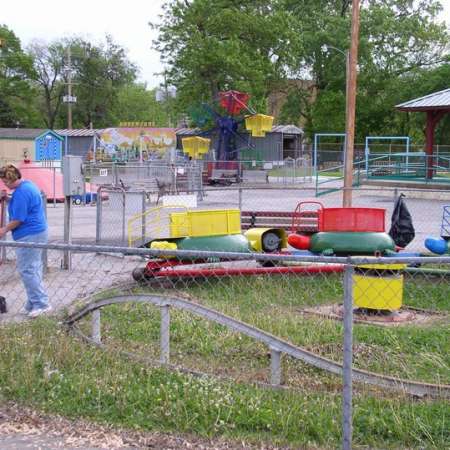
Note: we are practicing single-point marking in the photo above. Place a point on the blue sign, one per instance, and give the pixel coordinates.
(48, 148)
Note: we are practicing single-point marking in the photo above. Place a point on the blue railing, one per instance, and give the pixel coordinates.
(411, 165)
(337, 181)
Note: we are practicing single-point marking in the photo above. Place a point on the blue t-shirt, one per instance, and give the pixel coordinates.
(26, 206)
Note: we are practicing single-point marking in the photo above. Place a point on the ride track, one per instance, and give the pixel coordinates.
(276, 344)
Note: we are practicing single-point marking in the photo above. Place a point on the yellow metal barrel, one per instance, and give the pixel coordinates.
(378, 286)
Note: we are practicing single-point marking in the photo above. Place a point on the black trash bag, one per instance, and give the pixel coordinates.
(402, 229)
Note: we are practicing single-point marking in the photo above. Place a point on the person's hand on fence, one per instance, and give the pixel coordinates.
(3, 231)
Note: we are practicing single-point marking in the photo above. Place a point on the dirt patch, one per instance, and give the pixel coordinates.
(405, 316)
(24, 428)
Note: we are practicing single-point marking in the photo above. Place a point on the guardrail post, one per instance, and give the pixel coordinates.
(275, 367)
(95, 326)
(348, 357)
(165, 334)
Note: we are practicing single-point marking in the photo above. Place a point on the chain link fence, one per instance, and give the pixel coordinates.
(113, 214)
(304, 350)
(183, 176)
(308, 350)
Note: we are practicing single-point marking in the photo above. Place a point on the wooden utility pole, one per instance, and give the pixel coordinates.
(350, 107)
(69, 88)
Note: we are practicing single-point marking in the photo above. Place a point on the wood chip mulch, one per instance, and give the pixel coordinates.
(25, 428)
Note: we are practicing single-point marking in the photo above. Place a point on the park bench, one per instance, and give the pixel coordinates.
(304, 221)
(224, 177)
(255, 176)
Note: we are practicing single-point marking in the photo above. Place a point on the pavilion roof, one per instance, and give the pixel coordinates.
(436, 101)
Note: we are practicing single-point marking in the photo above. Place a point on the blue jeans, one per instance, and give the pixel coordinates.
(29, 266)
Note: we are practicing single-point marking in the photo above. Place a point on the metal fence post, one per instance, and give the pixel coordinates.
(144, 231)
(348, 357)
(124, 217)
(44, 251)
(165, 335)
(67, 258)
(54, 187)
(3, 222)
(115, 174)
(98, 224)
(95, 326)
(199, 175)
(240, 198)
(395, 195)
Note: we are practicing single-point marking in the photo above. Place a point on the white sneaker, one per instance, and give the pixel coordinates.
(38, 312)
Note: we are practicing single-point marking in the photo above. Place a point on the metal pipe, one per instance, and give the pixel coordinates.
(245, 271)
(230, 256)
(347, 374)
(165, 334)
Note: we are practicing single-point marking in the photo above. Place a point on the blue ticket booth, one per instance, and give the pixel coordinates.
(48, 146)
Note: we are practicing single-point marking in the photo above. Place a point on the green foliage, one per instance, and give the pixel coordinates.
(214, 45)
(137, 103)
(48, 62)
(16, 93)
(259, 47)
(100, 74)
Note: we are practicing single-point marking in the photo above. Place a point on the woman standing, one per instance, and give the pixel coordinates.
(27, 223)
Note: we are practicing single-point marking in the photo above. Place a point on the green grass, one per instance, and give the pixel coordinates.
(274, 305)
(331, 173)
(55, 372)
(43, 366)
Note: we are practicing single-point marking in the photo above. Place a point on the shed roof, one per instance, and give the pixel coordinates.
(286, 129)
(21, 133)
(83, 132)
(434, 101)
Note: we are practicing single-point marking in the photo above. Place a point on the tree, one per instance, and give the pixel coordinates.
(136, 103)
(16, 93)
(97, 72)
(100, 72)
(214, 45)
(50, 77)
(397, 39)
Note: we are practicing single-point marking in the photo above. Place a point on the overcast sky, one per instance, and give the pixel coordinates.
(126, 21)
